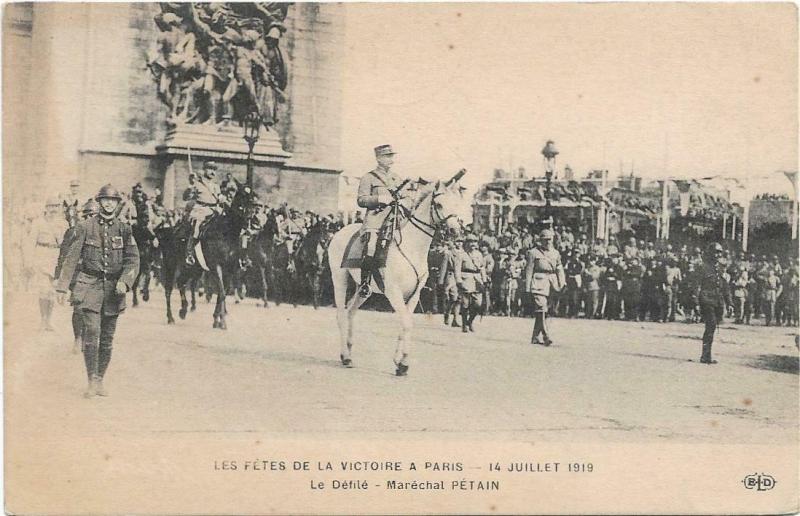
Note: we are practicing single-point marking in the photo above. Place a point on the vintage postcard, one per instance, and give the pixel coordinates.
(400, 258)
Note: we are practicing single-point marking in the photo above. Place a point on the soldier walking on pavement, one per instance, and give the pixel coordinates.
(41, 253)
(89, 209)
(447, 280)
(470, 272)
(105, 255)
(712, 295)
(543, 274)
(376, 191)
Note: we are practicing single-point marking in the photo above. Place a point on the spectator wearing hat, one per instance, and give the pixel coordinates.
(107, 260)
(544, 274)
(470, 273)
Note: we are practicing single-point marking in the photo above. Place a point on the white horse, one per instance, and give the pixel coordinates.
(406, 269)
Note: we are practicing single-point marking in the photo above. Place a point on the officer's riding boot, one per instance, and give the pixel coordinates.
(537, 328)
(464, 320)
(472, 314)
(705, 357)
(456, 311)
(90, 359)
(77, 331)
(190, 250)
(367, 264)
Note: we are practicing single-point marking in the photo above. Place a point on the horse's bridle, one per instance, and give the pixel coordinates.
(428, 229)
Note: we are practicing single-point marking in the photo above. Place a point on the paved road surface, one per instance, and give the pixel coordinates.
(276, 371)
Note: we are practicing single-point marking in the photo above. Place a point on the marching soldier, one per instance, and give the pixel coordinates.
(375, 192)
(543, 274)
(107, 260)
(206, 202)
(712, 295)
(447, 281)
(89, 209)
(41, 254)
(470, 273)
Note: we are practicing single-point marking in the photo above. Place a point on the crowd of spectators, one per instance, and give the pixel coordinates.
(634, 279)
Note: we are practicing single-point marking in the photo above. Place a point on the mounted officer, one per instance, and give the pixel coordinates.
(104, 253)
(376, 191)
(207, 202)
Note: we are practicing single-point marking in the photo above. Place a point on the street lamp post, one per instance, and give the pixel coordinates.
(549, 152)
(252, 127)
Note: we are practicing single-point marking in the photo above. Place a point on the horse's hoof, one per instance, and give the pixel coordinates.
(146, 297)
(135, 303)
(182, 313)
(194, 307)
(170, 320)
(402, 370)
(236, 302)
(216, 325)
(222, 325)
(347, 362)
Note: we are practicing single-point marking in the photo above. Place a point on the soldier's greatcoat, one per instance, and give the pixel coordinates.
(107, 253)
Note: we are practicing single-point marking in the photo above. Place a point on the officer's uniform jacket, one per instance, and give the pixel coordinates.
(447, 269)
(107, 253)
(373, 193)
(470, 270)
(712, 288)
(544, 271)
(208, 192)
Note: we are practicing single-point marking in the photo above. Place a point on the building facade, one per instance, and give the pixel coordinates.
(80, 104)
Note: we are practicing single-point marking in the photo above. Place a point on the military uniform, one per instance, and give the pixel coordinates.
(41, 254)
(106, 253)
(375, 191)
(447, 283)
(470, 274)
(543, 274)
(712, 296)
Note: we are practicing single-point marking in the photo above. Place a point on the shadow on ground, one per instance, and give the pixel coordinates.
(778, 363)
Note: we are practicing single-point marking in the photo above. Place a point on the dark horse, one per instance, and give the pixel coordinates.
(144, 241)
(310, 258)
(261, 252)
(220, 248)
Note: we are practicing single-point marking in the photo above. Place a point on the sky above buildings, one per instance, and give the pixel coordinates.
(666, 89)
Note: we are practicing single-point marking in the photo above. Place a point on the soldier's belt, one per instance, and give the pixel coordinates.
(101, 274)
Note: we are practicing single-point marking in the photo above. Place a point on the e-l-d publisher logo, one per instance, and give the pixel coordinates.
(759, 482)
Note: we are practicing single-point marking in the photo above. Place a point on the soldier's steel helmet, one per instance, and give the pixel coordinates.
(90, 207)
(108, 192)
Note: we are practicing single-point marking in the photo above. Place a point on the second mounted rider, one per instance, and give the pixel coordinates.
(378, 190)
(207, 202)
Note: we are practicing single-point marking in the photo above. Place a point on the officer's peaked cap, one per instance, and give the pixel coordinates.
(384, 150)
(210, 165)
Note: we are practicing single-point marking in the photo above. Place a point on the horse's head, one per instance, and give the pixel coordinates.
(244, 203)
(446, 200)
(71, 212)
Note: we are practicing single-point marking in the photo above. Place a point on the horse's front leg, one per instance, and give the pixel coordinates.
(219, 309)
(263, 271)
(135, 289)
(405, 311)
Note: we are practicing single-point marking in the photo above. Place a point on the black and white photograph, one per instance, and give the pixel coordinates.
(400, 258)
